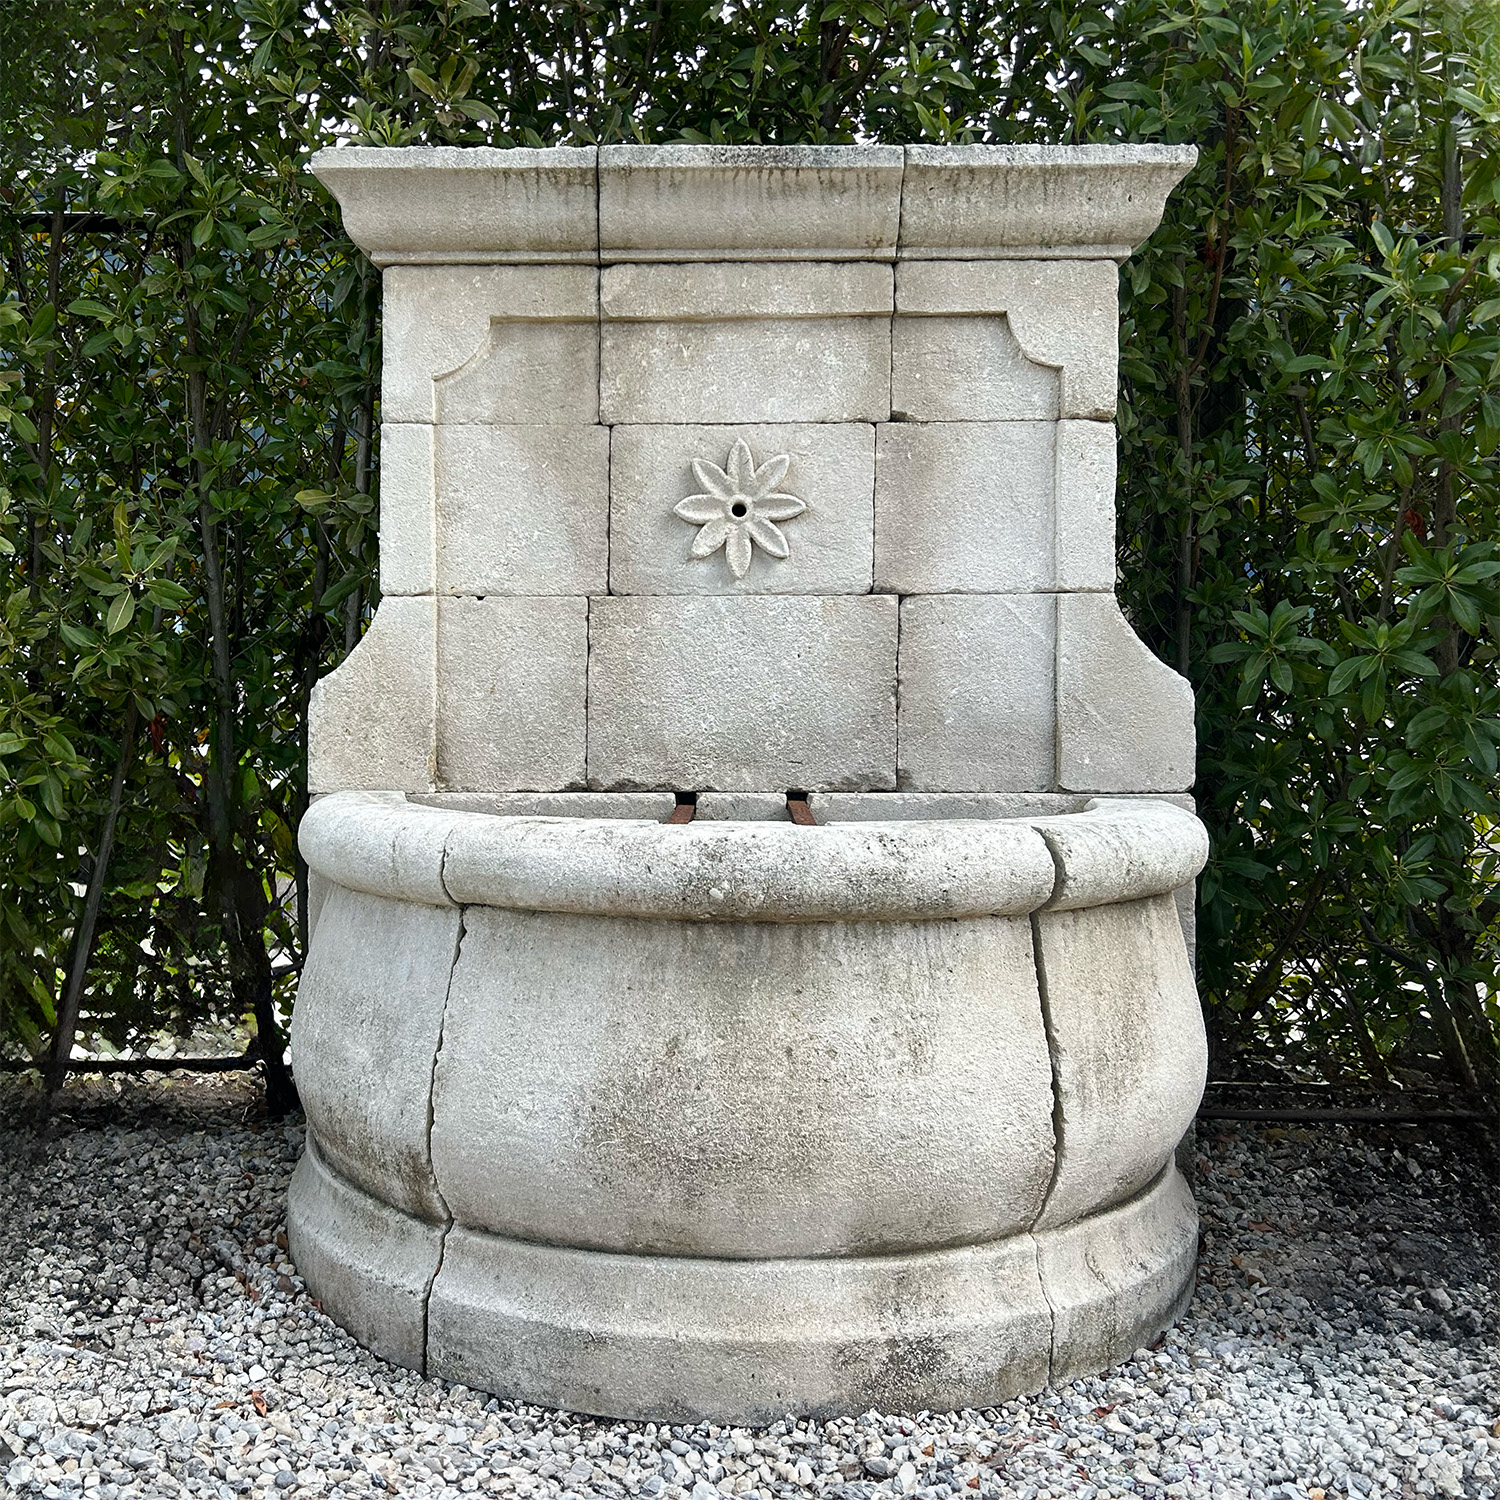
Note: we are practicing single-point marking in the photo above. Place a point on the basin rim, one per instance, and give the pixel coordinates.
(1116, 849)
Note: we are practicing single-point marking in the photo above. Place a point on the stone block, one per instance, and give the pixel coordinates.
(1084, 543)
(964, 507)
(717, 203)
(744, 1342)
(491, 344)
(1064, 314)
(788, 1093)
(1070, 202)
(372, 720)
(1124, 718)
(744, 343)
(522, 510)
(365, 1034)
(715, 693)
(976, 694)
(408, 517)
(968, 369)
(1129, 1057)
(512, 676)
(368, 1264)
(1116, 1279)
(421, 204)
(831, 472)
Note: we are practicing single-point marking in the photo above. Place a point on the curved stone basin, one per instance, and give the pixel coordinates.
(734, 1118)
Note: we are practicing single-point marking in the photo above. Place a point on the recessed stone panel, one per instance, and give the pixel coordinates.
(964, 507)
(490, 344)
(1064, 314)
(976, 693)
(742, 694)
(745, 343)
(829, 542)
(967, 370)
(511, 682)
(522, 510)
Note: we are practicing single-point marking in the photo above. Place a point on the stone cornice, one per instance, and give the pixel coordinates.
(466, 205)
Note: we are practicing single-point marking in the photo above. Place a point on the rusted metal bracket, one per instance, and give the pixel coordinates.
(686, 809)
(802, 814)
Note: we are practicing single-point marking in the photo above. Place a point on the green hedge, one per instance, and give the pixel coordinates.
(1310, 410)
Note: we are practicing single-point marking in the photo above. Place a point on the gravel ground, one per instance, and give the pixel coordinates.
(155, 1340)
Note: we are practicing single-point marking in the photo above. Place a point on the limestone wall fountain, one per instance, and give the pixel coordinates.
(729, 474)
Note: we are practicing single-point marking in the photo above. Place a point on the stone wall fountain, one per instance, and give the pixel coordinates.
(738, 474)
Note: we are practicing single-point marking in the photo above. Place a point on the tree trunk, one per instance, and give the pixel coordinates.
(83, 941)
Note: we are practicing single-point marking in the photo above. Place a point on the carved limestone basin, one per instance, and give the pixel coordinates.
(740, 1117)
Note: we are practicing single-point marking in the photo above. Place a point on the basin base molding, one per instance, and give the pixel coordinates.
(689, 1339)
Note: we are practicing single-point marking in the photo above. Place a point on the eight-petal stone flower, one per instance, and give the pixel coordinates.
(739, 507)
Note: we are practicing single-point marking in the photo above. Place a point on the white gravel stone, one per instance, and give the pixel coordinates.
(1342, 1338)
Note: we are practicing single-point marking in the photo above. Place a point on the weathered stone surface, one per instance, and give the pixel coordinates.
(880, 807)
(376, 842)
(1121, 848)
(522, 510)
(511, 683)
(678, 203)
(687, 1339)
(364, 1035)
(1085, 514)
(1063, 314)
(730, 694)
(1124, 718)
(471, 203)
(788, 1093)
(740, 1116)
(408, 510)
(830, 542)
(969, 202)
(976, 693)
(372, 1265)
(968, 369)
(372, 720)
(746, 343)
(1115, 1280)
(757, 807)
(491, 344)
(318, 888)
(653, 807)
(1129, 1056)
(964, 508)
(754, 871)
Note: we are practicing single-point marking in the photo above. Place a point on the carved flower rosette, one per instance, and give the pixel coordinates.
(739, 507)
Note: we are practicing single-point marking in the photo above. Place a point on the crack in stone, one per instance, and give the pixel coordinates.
(1058, 1120)
(447, 1227)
